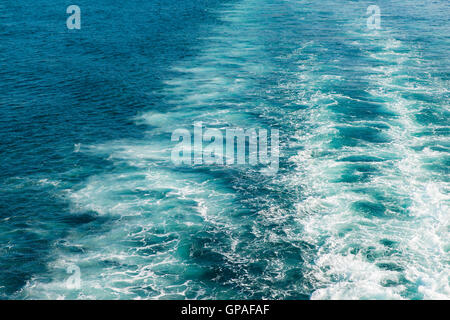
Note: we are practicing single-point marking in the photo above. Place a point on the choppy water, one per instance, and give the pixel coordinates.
(359, 208)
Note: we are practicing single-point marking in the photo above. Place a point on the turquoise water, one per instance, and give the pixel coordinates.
(359, 208)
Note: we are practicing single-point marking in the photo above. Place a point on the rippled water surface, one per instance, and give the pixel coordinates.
(359, 208)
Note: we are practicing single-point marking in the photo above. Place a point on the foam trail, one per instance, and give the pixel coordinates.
(378, 214)
(191, 233)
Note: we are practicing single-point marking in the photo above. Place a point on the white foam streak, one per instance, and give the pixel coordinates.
(353, 261)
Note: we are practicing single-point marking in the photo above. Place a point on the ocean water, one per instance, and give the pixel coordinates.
(359, 208)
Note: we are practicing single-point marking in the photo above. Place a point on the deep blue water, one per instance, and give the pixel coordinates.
(359, 208)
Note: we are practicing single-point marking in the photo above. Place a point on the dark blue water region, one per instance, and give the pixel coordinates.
(60, 88)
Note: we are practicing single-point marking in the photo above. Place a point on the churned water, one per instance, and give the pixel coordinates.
(358, 209)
